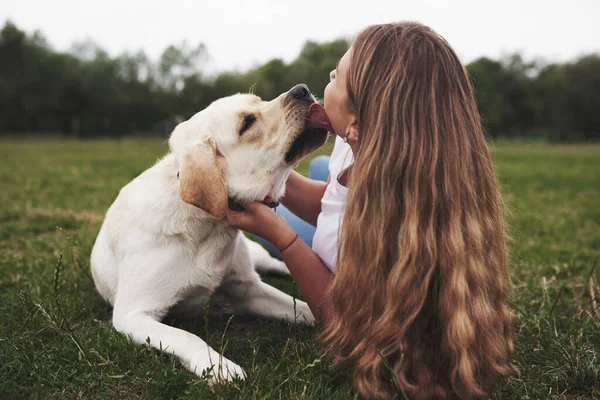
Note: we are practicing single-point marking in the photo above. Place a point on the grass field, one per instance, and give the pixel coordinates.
(57, 341)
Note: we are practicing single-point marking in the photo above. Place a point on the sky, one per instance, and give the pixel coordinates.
(241, 34)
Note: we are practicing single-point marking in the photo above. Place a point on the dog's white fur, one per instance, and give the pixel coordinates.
(155, 252)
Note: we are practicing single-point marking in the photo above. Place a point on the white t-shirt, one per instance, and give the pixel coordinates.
(333, 203)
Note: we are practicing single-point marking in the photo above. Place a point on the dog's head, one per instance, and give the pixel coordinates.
(244, 148)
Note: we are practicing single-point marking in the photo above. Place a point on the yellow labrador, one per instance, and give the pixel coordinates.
(164, 241)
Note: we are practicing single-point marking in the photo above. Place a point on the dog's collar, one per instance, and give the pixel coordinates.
(235, 206)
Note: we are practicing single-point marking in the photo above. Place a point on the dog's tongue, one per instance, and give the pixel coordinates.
(316, 117)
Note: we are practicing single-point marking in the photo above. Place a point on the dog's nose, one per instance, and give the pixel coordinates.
(301, 92)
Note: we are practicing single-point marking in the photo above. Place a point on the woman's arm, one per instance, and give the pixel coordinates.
(311, 276)
(309, 272)
(303, 197)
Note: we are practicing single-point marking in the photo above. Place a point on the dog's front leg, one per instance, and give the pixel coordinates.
(196, 355)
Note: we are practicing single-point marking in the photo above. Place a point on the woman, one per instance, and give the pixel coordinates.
(408, 270)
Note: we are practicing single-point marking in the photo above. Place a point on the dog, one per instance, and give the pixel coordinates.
(165, 245)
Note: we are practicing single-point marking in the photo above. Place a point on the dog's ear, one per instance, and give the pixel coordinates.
(200, 180)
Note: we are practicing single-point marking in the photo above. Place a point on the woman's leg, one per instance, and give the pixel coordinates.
(318, 170)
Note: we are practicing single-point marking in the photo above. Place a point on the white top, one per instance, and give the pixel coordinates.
(325, 240)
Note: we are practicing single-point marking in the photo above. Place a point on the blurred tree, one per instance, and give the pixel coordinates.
(315, 62)
(504, 94)
(582, 97)
(178, 62)
(86, 92)
(550, 90)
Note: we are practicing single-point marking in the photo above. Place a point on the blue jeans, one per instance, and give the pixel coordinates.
(318, 170)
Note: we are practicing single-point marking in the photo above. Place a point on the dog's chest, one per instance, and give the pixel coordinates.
(211, 254)
(202, 231)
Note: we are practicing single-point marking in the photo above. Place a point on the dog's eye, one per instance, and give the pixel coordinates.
(248, 121)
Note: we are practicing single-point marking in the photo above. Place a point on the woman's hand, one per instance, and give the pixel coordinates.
(260, 220)
(311, 275)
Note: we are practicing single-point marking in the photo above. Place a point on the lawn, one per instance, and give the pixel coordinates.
(57, 341)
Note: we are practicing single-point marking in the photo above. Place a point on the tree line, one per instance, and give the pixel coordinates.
(87, 93)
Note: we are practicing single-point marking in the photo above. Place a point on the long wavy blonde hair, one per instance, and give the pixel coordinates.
(419, 301)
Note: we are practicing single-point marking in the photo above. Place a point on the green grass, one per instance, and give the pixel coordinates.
(57, 341)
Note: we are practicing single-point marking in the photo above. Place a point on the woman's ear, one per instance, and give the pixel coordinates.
(352, 129)
(200, 179)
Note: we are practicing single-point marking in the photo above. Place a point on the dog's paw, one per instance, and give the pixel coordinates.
(220, 370)
(227, 372)
(303, 314)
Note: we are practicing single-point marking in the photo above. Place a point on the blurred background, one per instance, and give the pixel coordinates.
(87, 69)
(90, 90)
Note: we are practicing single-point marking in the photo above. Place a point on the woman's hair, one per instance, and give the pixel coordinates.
(419, 301)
